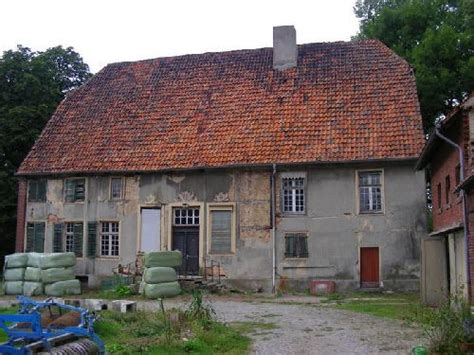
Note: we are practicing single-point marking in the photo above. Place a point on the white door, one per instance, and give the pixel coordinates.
(151, 236)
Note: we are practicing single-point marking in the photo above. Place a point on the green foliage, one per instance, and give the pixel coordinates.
(31, 86)
(436, 37)
(444, 325)
(123, 291)
(199, 310)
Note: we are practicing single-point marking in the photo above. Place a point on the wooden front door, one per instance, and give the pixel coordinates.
(186, 240)
(369, 267)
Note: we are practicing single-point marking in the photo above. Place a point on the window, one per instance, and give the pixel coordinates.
(370, 191)
(439, 195)
(221, 235)
(109, 239)
(293, 193)
(37, 191)
(75, 190)
(458, 174)
(68, 237)
(296, 245)
(186, 216)
(448, 188)
(116, 188)
(35, 237)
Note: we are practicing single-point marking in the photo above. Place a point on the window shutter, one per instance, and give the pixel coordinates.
(221, 235)
(78, 238)
(41, 190)
(69, 190)
(79, 190)
(30, 237)
(32, 190)
(91, 239)
(58, 238)
(39, 237)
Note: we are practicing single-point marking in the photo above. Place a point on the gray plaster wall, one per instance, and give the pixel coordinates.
(335, 230)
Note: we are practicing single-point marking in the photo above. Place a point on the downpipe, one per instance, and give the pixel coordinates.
(273, 218)
(464, 207)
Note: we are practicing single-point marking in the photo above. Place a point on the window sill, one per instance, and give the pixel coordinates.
(295, 258)
(221, 254)
(74, 203)
(294, 214)
(107, 258)
(379, 213)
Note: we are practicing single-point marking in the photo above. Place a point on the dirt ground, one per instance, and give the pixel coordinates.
(313, 328)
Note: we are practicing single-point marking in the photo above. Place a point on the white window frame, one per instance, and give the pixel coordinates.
(382, 191)
(109, 234)
(293, 175)
(67, 234)
(122, 188)
(193, 216)
(222, 206)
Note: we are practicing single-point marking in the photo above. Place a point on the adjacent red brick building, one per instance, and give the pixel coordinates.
(447, 183)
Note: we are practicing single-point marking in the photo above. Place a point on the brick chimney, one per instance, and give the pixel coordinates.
(285, 51)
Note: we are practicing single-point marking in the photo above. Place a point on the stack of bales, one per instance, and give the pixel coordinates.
(14, 273)
(159, 276)
(52, 274)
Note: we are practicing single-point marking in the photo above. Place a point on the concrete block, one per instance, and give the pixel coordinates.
(124, 306)
(96, 304)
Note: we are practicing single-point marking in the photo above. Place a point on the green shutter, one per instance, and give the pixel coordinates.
(30, 237)
(91, 239)
(58, 238)
(80, 190)
(39, 237)
(32, 190)
(69, 190)
(78, 237)
(41, 191)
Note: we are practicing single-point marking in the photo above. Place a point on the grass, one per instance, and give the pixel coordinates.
(401, 306)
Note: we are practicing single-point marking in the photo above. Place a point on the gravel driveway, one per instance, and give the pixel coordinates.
(315, 329)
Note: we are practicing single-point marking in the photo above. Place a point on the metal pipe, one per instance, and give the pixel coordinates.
(464, 205)
(273, 229)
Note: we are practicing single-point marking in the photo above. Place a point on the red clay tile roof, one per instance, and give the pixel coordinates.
(345, 101)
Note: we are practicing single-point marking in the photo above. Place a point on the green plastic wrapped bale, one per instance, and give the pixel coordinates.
(32, 288)
(56, 274)
(156, 275)
(164, 259)
(166, 289)
(17, 274)
(62, 288)
(13, 287)
(16, 260)
(33, 274)
(52, 260)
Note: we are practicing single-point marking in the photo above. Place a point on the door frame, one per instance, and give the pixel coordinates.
(360, 261)
(202, 222)
(139, 224)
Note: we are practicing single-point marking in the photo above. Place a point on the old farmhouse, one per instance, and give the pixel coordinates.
(285, 164)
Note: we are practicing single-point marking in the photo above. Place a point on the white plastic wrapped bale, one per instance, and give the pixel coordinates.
(56, 274)
(33, 274)
(52, 260)
(165, 289)
(17, 274)
(164, 258)
(16, 260)
(63, 288)
(155, 275)
(13, 287)
(32, 288)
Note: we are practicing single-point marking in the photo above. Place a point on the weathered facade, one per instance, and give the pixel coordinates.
(283, 173)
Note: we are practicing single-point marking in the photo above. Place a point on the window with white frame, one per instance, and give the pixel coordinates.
(109, 239)
(69, 238)
(116, 188)
(370, 191)
(293, 193)
(188, 216)
(221, 222)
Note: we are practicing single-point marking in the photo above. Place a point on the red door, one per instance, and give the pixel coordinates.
(369, 267)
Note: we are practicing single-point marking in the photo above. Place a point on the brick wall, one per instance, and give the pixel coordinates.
(20, 215)
(447, 214)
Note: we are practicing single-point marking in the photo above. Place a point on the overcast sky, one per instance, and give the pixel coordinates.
(106, 31)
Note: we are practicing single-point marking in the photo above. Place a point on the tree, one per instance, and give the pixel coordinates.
(31, 86)
(436, 37)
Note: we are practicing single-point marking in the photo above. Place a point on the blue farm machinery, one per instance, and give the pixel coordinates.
(49, 327)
